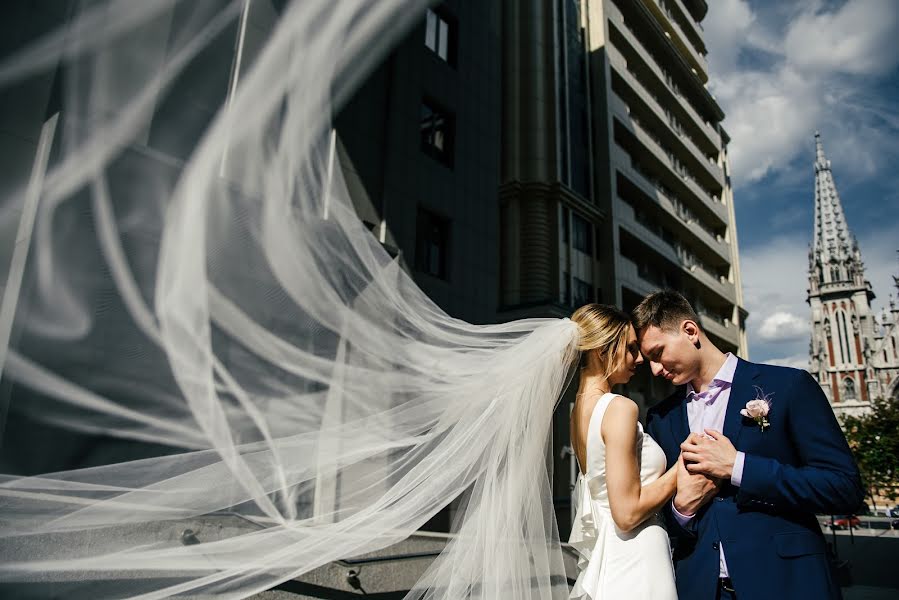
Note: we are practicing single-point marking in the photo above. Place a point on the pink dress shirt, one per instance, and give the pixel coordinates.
(706, 410)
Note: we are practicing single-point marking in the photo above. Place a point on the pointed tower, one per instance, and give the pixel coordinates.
(843, 324)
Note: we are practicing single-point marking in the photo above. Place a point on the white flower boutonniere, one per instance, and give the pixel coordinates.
(758, 408)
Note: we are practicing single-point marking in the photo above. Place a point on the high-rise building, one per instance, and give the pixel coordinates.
(665, 182)
(854, 357)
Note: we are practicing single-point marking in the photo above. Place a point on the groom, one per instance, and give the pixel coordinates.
(743, 519)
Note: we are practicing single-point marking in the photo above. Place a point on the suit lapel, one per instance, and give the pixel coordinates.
(741, 392)
(680, 426)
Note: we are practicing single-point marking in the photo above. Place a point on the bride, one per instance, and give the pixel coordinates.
(622, 483)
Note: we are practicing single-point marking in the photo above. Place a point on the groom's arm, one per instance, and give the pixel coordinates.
(827, 480)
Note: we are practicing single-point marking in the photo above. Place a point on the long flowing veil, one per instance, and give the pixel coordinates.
(188, 271)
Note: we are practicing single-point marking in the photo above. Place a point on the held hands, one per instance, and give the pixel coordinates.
(712, 454)
(693, 489)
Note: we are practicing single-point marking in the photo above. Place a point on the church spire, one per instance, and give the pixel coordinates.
(819, 154)
(835, 255)
(847, 350)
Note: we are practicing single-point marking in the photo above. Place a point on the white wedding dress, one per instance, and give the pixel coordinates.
(613, 564)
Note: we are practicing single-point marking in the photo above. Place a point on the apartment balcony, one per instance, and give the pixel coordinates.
(710, 169)
(629, 121)
(723, 329)
(617, 19)
(720, 286)
(623, 163)
(618, 107)
(693, 28)
(715, 243)
(626, 218)
(698, 9)
(691, 228)
(713, 202)
(627, 273)
(712, 208)
(679, 39)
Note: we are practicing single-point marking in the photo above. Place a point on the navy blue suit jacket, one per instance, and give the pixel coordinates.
(800, 465)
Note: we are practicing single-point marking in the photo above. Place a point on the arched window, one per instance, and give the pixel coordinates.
(843, 335)
(849, 389)
(895, 351)
(834, 273)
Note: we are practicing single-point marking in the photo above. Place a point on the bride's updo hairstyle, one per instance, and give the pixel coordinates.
(603, 329)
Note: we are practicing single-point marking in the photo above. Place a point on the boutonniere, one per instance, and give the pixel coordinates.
(757, 409)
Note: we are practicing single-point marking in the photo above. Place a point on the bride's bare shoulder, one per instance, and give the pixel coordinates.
(621, 411)
(623, 404)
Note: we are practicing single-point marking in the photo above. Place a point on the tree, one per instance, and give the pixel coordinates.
(874, 440)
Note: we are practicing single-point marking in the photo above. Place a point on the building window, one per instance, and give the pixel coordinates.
(440, 35)
(848, 389)
(437, 133)
(582, 292)
(431, 244)
(582, 234)
(843, 334)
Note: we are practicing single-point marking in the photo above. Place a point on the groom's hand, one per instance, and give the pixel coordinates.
(693, 490)
(712, 454)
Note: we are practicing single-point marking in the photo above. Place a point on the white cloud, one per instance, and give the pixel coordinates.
(783, 71)
(782, 326)
(729, 21)
(857, 38)
(775, 280)
(769, 116)
(798, 361)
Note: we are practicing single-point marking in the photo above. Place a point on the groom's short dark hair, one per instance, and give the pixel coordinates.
(665, 309)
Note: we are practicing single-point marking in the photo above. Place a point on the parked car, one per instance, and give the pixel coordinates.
(844, 522)
(893, 512)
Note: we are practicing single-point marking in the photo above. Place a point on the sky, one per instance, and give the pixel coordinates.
(782, 70)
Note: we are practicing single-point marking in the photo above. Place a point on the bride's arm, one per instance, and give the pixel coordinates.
(631, 502)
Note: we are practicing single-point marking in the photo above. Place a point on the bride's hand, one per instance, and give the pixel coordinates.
(693, 489)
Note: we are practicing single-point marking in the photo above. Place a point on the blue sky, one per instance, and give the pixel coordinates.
(782, 70)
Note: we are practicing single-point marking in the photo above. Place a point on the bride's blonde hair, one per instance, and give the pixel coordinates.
(603, 328)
